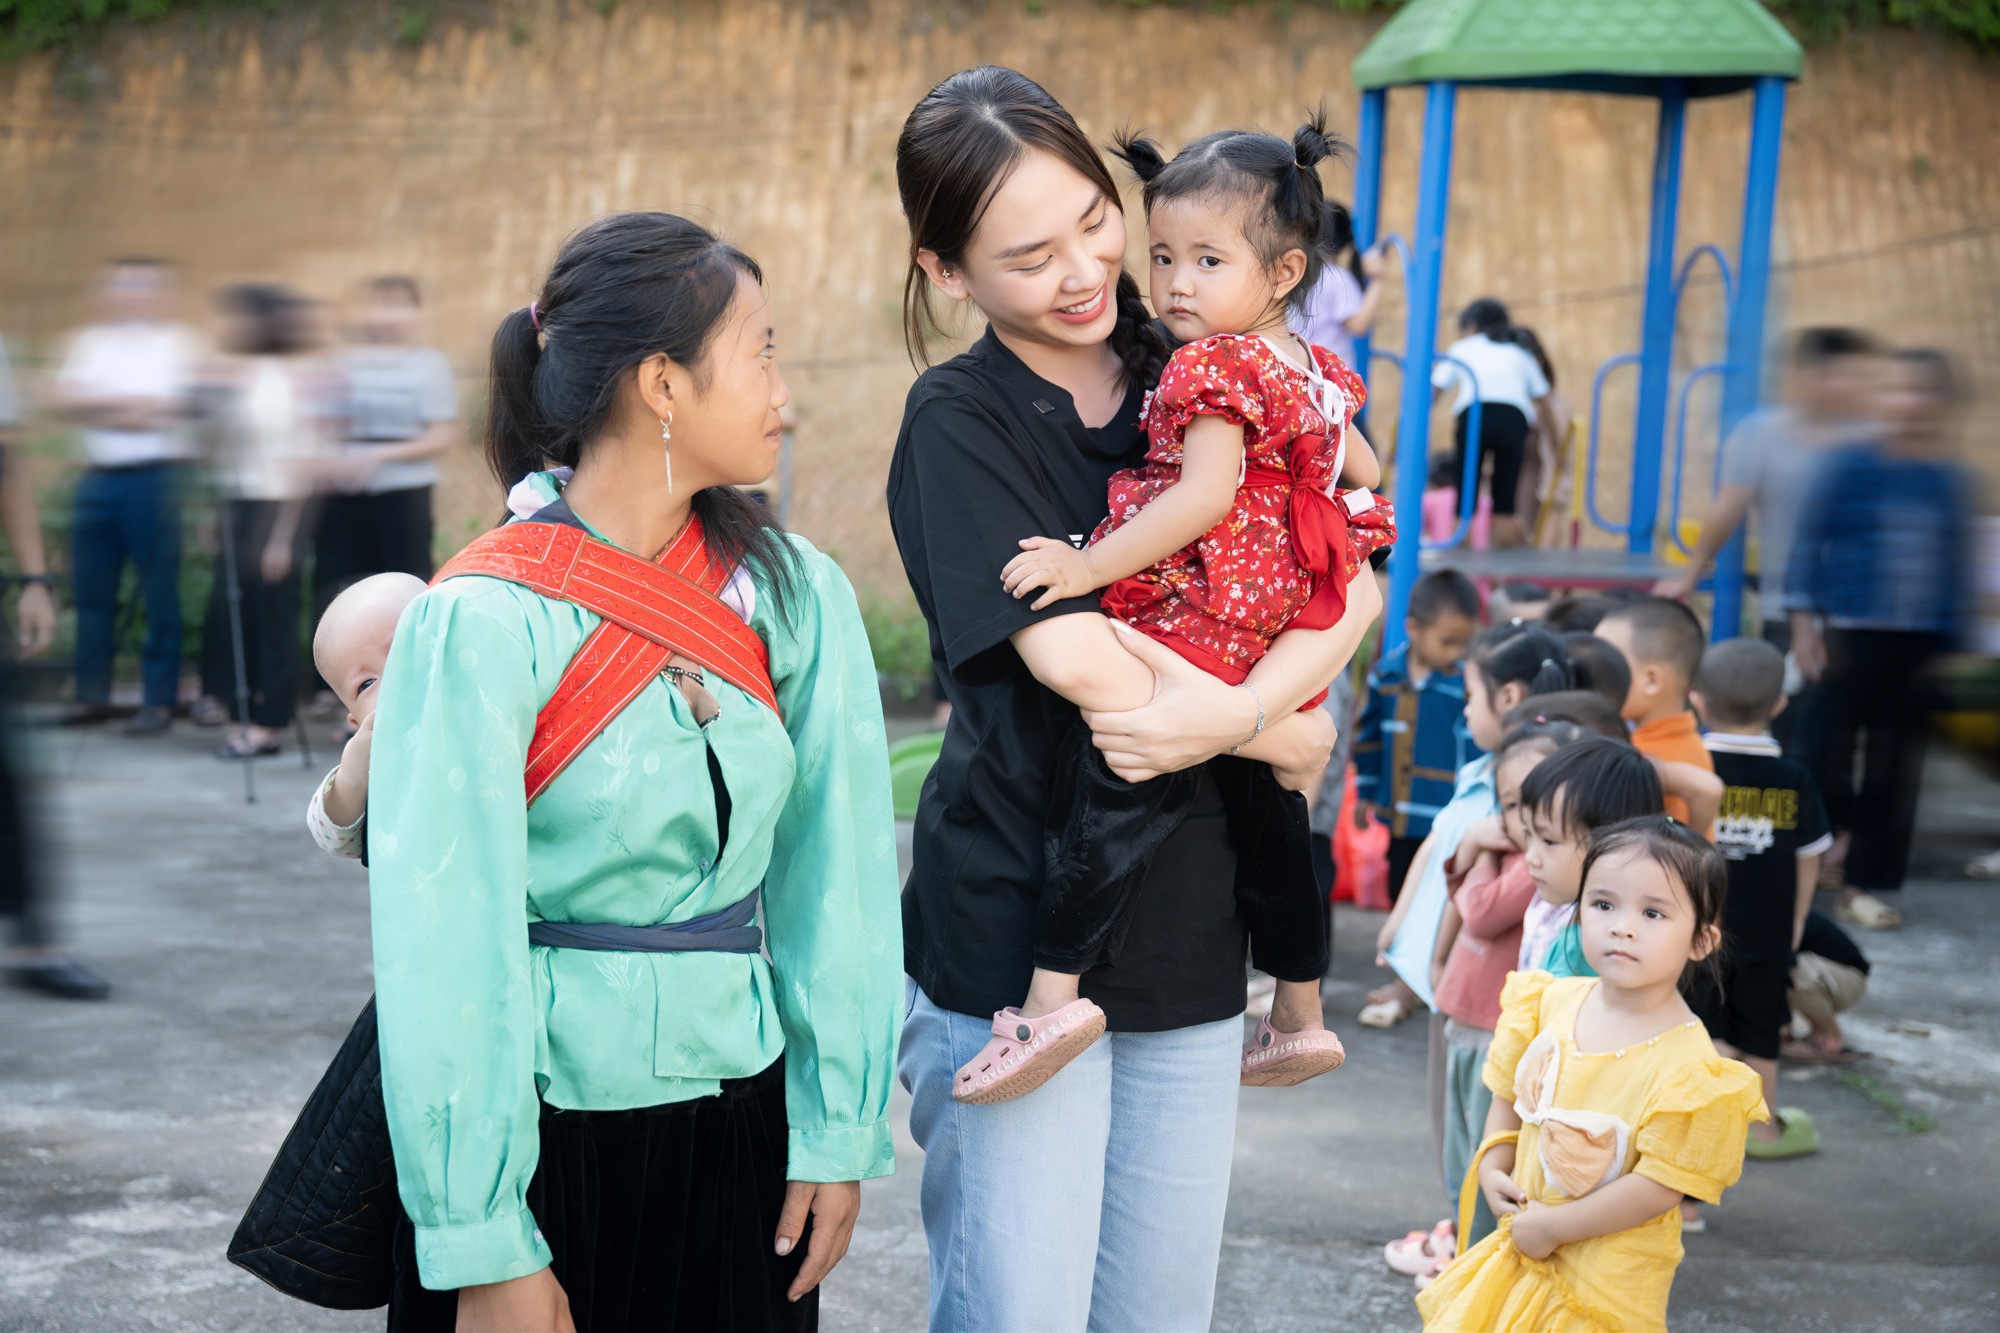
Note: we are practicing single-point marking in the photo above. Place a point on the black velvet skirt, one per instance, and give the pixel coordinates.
(660, 1220)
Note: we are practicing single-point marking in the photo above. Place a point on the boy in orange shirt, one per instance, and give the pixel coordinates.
(1663, 643)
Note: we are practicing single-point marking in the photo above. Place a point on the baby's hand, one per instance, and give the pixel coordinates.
(346, 800)
(1534, 1231)
(354, 755)
(1054, 565)
(1503, 1196)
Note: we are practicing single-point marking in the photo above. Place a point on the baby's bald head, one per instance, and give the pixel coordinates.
(351, 645)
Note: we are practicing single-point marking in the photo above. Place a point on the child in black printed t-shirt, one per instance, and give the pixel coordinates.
(1772, 830)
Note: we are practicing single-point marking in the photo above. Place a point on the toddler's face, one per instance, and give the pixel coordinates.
(1507, 779)
(353, 666)
(1637, 922)
(1555, 854)
(1205, 277)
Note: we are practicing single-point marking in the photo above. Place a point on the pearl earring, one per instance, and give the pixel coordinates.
(667, 439)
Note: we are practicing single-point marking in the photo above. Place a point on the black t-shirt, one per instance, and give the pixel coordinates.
(1771, 816)
(1830, 942)
(991, 453)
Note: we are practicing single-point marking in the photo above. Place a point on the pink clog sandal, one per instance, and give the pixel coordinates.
(1274, 1059)
(1025, 1053)
(1415, 1253)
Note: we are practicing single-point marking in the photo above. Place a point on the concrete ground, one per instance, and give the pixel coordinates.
(132, 1132)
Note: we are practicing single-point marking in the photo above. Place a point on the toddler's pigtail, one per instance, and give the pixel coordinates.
(1336, 229)
(1143, 156)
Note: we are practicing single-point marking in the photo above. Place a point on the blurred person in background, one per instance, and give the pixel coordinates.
(1548, 433)
(401, 411)
(1769, 460)
(32, 959)
(1343, 303)
(127, 383)
(273, 402)
(1511, 388)
(1878, 586)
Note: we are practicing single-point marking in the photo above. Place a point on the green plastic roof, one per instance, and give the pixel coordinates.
(1626, 46)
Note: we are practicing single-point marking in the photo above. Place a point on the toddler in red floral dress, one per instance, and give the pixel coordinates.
(1250, 516)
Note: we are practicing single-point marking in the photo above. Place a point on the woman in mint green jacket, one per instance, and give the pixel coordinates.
(667, 1136)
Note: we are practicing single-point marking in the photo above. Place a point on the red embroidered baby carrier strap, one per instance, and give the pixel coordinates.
(652, 611)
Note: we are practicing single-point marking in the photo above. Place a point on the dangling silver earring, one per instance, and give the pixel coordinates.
(667, 439)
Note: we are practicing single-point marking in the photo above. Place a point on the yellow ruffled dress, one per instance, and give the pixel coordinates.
(1670, 1109)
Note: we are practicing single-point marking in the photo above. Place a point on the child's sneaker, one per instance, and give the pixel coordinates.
(1025, 1053)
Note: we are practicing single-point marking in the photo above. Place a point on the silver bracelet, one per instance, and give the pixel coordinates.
(1238, 747)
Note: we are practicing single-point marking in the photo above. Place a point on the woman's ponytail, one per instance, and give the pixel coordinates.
(515, 444)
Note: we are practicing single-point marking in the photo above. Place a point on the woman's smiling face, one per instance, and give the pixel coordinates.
(1043, 264)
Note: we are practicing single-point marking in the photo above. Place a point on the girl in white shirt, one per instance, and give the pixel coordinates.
(1510, 387)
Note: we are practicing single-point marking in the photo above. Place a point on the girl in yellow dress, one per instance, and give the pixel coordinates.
(1609, 1106)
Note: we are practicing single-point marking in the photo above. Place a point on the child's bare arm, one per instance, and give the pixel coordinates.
(1448, 928)
(1808, 886)
(1701, 789)
(346, 797)
(1626, 1202)
(1419, 864)
(1360, 468)
(1081, 658)
(1211, 464)
(1496, 1168)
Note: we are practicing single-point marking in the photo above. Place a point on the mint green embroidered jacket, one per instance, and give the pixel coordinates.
(477, 1027)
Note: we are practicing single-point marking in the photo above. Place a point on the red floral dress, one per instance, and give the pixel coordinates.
(1284, 555)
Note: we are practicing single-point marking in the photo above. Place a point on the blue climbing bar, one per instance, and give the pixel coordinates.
(1742, 386)
(1413, 429)
(1656, 346)
(1368, 144)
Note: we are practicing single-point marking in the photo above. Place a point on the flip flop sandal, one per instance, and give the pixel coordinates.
(1871, 913)
(1274, 1059)
(1431, 1273)
(1693, 1226)
(1797, 1137)
(1414, 1253)
(1025, 1053)
(1984, 867)
(1811, 1053)
(1385, 1014)
(231, 750)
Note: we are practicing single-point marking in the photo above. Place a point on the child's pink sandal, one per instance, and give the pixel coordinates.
(1418, 1251)
(1274, 1059)
(1025, 1053)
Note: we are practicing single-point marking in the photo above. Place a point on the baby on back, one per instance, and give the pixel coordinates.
(350, 648)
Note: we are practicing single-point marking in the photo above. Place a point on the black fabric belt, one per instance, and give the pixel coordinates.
(728, 930)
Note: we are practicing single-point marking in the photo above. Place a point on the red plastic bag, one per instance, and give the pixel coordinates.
(1360, 857)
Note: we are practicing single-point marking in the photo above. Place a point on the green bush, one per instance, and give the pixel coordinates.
(900, 641)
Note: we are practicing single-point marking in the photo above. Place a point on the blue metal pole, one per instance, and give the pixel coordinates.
(1656, 347)
(1413, 430)
(1741, 389)
(1368, 142)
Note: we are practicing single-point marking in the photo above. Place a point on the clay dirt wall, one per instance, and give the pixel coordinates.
(314, 148)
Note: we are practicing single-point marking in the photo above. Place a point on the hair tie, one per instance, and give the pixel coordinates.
(534, 317)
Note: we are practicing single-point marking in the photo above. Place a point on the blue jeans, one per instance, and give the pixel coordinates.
(127, 514)
(1093, 1203)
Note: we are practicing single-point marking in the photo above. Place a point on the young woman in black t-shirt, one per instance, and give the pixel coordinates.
(1110, 1185)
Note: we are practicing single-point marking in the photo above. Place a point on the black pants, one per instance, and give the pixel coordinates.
(1401, 852)
(1103, 832)
(661, 1220)
(23, 889)
(1872, 700)
(270, 614)
(1503, 437)
(359, 535)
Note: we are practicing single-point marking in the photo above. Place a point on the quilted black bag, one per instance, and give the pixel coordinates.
(322, 1226)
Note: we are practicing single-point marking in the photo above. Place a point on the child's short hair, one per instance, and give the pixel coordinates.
(1682, 853)
(1599, 666)
(1555, 732)
(1741, 681)
(1581, 708)
(1813, 348)
(1280, 180)
(1601, 782)
(1664, 633)
(1576, 614)
(1440, 592)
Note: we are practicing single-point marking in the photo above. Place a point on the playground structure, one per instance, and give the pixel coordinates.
(1669, 50)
